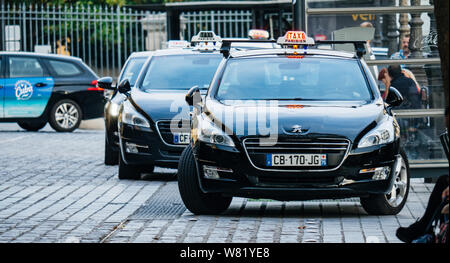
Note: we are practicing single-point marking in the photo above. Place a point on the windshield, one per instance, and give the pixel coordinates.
(181, 72)
(288, 78)
(132, 69)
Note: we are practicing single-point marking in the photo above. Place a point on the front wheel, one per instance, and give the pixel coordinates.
(65, 116)
(393, 202)
(194, 199)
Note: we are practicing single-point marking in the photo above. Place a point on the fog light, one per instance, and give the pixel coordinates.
(212, 172)
(379, 173)
(133, 148)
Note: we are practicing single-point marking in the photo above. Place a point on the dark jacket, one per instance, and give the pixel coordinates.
(408, 89)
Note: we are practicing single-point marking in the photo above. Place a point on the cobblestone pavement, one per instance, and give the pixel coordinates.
(55, 188)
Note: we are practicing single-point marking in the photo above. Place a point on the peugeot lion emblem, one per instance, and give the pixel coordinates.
(297, 129)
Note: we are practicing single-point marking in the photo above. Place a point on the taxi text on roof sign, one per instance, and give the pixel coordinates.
(295, 38)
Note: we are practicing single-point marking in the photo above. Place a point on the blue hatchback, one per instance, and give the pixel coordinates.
(39, 88)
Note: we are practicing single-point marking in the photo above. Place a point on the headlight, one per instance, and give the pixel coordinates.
(382, 134)
(209, 133)
(132, 117)
(113, 109)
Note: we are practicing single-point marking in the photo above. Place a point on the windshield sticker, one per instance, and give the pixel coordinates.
(24, 90)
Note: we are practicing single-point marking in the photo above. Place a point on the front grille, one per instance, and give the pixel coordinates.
(166, 132)
(334, 148)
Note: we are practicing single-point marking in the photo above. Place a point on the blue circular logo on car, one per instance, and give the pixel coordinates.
(24, 90)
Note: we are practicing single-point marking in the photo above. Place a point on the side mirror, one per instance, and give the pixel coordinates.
(193, 97)
(105, 83)
(124, 86)
(394, 97)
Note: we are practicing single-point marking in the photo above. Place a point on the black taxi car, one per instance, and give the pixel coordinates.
(130, 71)
(293, 123)
(40, 88)
(153, 122)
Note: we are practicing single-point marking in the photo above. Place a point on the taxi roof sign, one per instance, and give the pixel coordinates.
(295, 38)
(258, 34)
(178, 44)
(206, 36)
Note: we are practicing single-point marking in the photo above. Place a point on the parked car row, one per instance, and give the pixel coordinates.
(332, 135)
(253, 118)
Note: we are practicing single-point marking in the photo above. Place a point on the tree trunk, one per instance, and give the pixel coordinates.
(441, 11)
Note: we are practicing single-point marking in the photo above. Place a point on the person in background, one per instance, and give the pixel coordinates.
(383, 76)
(406, 86)
(404, 52)
(440, 192)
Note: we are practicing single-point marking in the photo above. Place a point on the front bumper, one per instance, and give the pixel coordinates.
(246, 180)
(151, 149)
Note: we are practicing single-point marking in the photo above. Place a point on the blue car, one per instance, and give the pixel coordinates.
(36, 89)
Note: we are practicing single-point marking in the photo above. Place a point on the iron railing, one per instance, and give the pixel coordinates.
(102, 36)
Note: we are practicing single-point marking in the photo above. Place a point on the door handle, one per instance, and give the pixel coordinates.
(40, 85)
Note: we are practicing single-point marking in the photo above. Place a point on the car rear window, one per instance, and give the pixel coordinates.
(64, 68)
(296, 78)
(180, 72)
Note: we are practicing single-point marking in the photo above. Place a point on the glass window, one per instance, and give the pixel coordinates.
(20, 67)
(420, 137)
(181, 71)
(283, 78)
(132, 70)
(64, 68)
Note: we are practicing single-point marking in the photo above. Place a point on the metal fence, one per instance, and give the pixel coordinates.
(105, 36)
(102, 36)
(226, 23)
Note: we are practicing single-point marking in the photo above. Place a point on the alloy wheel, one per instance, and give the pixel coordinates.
(399, 189)
(67, 115)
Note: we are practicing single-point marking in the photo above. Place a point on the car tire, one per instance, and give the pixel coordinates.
(393, 202)
(65, 116)
(128, 171)
(111, 156)
(32, 126)
(194, 199)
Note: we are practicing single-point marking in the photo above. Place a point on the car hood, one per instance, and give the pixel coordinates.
(162, 104)
(344, 119)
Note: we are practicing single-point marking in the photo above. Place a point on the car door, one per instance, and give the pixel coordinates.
(27, 87)
(2, 89)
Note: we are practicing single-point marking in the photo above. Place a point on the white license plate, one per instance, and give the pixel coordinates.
(181, 138)
(296, 160)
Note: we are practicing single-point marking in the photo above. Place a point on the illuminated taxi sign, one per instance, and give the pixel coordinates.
(295, 38)
(205, 37)
(258, 34)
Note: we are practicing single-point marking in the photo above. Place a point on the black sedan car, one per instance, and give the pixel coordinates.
(153, 122)
(294, 123)
(130, 71)
(39, 88)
